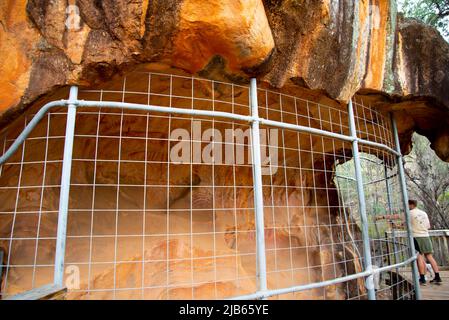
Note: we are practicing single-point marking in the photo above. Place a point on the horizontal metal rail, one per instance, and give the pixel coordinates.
(255, 119)
(310, 130)
(30, 126)
(262, 291)
(345, 177)
(432, 233)
(378, 146)
(379, 162)
(275, 292)
(365, 183)
(381, 180)
(191, 112)
(47, 292)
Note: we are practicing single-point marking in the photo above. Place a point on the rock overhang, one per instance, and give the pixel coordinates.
(325, 52)
(333, 49)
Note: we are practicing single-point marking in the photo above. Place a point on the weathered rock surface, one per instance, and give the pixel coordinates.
(323, 50)
(336, 47)
(204, 222)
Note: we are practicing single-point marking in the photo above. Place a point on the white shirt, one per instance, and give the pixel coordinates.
(420, 223)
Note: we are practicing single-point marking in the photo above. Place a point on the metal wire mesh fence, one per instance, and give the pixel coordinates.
(30, 184)
(383, 198)
(187, 188)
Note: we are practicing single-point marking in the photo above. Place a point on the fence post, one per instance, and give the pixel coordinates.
(445, 249)
(390, 211)
(369, 281)
(1, 262)
(65, 188)
(405, 203)
(390, 207)
(258, 192)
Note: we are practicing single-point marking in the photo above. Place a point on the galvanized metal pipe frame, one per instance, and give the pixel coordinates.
(367, 261)
(366, 183)
(191, 112)
(275, 292)
(390, 210)
(65, 188)
(403, 186)
(29, 127)
(387, 185)
(255, 121)
(258, 191)
(2, 253)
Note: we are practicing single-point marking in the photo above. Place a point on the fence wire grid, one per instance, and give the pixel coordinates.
(163, 201)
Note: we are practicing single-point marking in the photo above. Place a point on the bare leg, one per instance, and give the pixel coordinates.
(421, 264)
(432, 262)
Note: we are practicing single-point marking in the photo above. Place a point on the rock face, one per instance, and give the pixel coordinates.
(181, 230)
(336, 47)
(324, 50)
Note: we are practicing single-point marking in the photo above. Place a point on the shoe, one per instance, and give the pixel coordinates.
(422, 282)
(436, 281)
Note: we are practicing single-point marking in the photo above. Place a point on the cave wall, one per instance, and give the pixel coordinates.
(325, 51)
(336, 47)
(211, 229)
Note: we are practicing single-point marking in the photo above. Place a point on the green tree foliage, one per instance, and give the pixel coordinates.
(427, 181)
(432, 12)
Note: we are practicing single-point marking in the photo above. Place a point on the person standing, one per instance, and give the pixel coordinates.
(423, 244)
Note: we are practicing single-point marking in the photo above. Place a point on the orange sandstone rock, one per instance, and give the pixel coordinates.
(324, 51)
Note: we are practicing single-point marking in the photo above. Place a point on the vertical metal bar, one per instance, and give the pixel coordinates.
(1, 265)
(387, 245)
(395, 249)
(403, 186)
(369, 283)
(258, 194)
(445, 250)
(390, 209)
(65, 188)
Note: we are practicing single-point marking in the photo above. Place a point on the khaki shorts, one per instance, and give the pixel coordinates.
(423, 245)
